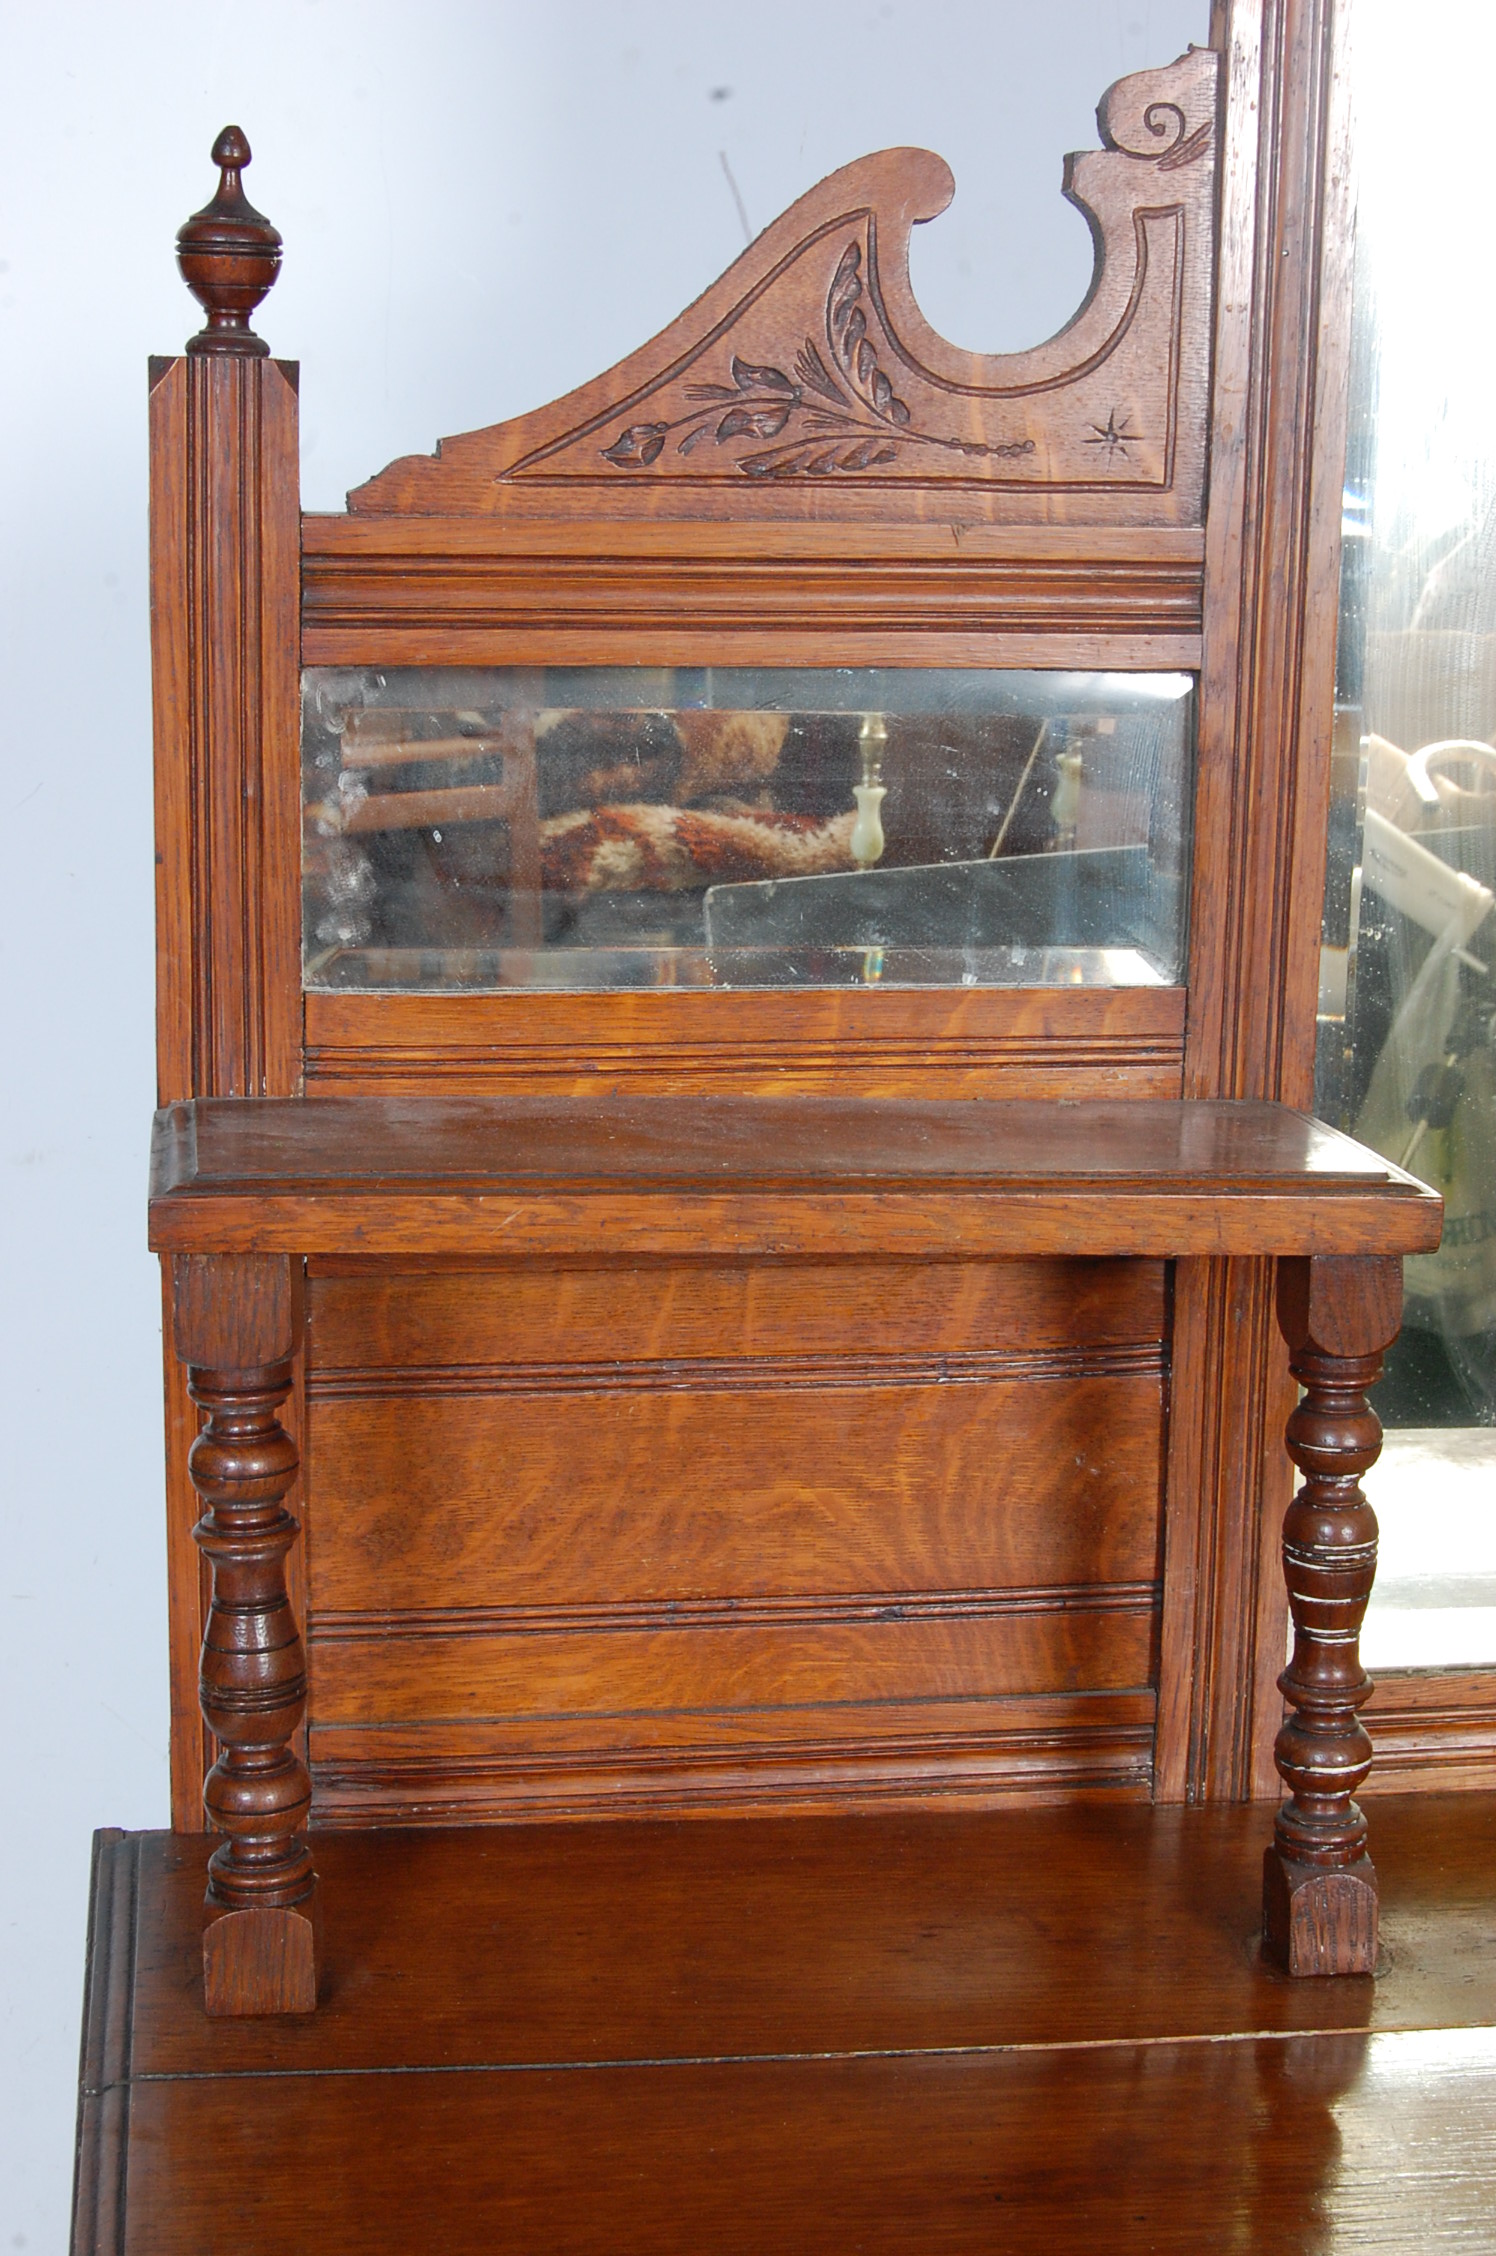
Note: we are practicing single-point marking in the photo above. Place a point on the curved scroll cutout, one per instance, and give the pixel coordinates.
(806, 383)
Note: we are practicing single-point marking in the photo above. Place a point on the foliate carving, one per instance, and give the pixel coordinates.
(852, 420)
(809, 364)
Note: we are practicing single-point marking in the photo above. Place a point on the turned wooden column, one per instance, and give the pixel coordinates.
(1319, 1883)
(233, 1330)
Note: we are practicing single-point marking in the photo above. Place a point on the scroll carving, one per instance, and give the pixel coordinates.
(807, 375)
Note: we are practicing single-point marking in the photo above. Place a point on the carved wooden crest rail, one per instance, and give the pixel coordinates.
(808, 381)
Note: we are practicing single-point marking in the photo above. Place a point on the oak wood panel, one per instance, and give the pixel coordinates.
(989, 1753)
(579, 1494)
(1036, 1042)
(1261, 812)
(374, 1317)
(535, 1497)
(683, 1670)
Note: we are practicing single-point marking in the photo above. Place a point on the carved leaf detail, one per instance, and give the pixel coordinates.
(638, 446)
(753, 422)
(862, 457)
(815, 376)
(847, 328)
(751, 379)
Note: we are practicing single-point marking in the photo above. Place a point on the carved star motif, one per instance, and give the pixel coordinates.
(1114, 436)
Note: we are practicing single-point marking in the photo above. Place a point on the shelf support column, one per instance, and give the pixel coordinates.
(233, 1330)
(1338, 1316)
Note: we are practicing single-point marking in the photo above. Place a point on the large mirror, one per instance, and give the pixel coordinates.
(1407, 1049)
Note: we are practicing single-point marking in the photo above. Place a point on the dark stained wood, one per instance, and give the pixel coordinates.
(808, 371)
(812, 2035)
(99, 2176)
(229, 255)
(233, 1328)
(866, 1042)
(1319, 1888)
(639, 1939)
(542, 1177)
(1063, 2151)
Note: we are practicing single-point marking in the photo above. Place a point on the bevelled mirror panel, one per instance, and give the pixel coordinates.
(625, 827)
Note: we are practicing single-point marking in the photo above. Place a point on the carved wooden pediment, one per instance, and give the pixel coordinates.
(805, 384)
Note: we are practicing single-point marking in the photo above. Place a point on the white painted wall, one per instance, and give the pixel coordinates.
(484, 202)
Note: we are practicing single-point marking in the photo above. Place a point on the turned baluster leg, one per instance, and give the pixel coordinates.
(1319, 1884)
(233, 1330)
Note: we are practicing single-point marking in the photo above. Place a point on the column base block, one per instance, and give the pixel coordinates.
(261, 1961)
(1318, 1919)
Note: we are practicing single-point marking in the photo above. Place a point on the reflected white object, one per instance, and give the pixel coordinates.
(867, 832)
(1434, 1485)
(867, 841)
(1394, 786)
(1065, 808)
(1434, 772)
(1417, 884)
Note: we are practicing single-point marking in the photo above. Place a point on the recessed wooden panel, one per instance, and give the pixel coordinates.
(709, 1534)
(366, 1315)
(535, 1673)
(586, 1492)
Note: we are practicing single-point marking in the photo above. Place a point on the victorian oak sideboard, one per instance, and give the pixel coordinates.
(737, 971)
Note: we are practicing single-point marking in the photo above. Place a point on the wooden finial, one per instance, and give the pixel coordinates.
(229, 255)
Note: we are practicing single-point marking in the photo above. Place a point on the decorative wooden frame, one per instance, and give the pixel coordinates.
(568, 534)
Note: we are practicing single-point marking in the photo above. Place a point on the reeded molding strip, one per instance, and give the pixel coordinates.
(1113, 1753)
(791, 1611)
(540, 1064)
(734, 1374)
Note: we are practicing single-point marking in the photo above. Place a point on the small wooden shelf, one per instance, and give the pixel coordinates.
(523, 1178)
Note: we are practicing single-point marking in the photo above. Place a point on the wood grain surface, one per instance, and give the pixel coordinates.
(554, 1176)
(1045, 2029)
(806, 382)
(1351, 2143)
(593, 1534)
(870, 1041)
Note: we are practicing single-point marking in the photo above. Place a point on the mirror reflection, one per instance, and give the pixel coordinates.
(742, 827)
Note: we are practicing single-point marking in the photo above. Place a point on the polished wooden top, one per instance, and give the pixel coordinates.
(526, 1176)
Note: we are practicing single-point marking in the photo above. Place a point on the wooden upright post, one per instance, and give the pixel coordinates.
(1319, 1884)
(233, 1330)
(225, 599)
